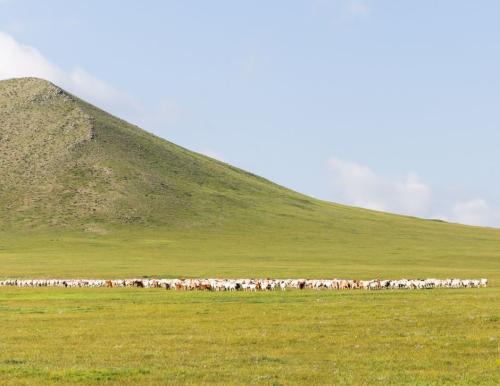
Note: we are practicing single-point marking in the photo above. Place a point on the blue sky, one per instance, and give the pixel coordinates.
(391, 105)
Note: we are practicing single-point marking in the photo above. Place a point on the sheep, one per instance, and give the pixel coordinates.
(251, 284)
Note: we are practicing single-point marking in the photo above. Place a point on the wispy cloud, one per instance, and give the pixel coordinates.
(475, 212)
(20, 60)
(359, 185)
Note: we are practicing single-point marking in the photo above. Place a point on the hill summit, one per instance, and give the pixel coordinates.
(64, 162)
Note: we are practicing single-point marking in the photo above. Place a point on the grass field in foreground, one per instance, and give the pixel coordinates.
(128, 336)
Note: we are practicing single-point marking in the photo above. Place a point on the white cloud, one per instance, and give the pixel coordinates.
(20, 60)
(358, 185)
(474, 212)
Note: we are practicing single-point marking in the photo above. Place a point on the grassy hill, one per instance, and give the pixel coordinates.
(85, 193)
(68, 164)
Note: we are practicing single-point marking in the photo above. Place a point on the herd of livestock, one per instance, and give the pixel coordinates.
(251, 284)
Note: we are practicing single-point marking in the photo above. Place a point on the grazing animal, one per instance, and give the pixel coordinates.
(251, 284)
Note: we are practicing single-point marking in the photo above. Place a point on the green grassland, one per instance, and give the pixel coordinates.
(289, 251)
(130, 336)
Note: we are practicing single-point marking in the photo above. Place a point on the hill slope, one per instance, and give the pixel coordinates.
(147, 206)
(65, 160)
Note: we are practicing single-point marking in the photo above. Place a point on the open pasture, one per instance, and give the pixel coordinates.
(146, 336)
(152, 336)
(416, 250)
